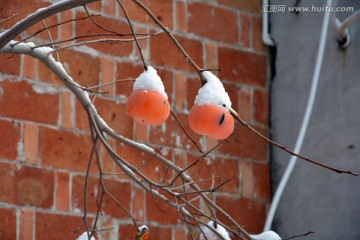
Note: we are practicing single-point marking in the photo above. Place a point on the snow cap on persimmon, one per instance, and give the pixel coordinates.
(213, 92)
(151, 81)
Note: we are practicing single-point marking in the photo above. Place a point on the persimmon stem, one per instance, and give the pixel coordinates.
(133, 32)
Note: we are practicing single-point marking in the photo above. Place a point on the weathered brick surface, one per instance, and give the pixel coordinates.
(163, 52)
(252, 70)
(8, 223)
(249, 213)
(64, 150)
(57, 226)
(21, 101)
(10, 137)
(26, 186)
(46, 141)
(213, 22)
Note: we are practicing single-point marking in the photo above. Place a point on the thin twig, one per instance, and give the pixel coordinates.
(133, 32)
(8, 18)
(177, 44)
(186, 133)
(98, 25)
(102, 40)
(243, 123)
(50, 38)
(297, 236)
(52, 26)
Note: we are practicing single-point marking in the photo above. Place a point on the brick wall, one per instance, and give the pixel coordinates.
(45, 143)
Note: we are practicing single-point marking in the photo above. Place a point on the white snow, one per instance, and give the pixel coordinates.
(84, 236)
(143, 227)
(210, 235)
(44, 50)
(268, 235)
(213, 92)
(150, 80)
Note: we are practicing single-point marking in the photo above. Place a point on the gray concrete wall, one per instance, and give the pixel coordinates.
(316, 199)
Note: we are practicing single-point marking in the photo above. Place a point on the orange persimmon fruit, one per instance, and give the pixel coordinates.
(213, 121)
(148, 107)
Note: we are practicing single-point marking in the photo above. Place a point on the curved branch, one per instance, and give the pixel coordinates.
(100, 126)
(39, 15)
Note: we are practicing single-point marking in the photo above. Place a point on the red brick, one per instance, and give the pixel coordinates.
(65, 150)
(19, 100)
(245, 30)
(109, 226)
(211, 51)
(95, 6)
(143, 42)
(172, 57)
(162, 9)
(146, 163)
(26, 186)
(245, 110)
(63, 191)
(67, 110)
(10, 63)
(159, 233)
(242, 67)
(131, 155)
(245, 143)
(87, 27)
(29, 67)
(232, 90)
(261, 107)
(10, 138)
(180, 159)
(107, 71)
(211, 143)
(57, 226)
(248, 213)
(113, 113)
(127, 71)
(120, 190)
(66, 30)
(83, 68)
(181, 16)
(174, 136)
(7, 223)
(253, 6)
(141, 132)
(179, 234)
(27, 223)
(107, 161)
(109, 7)
(247, 179)
(138, 204)
(127, 232)
(167, 79)
(193, 86)
(31, 142)
(261, 180)
(13, 7)
(221, 169)
(180, 92)
(257, 43)
(213, 22)
(160, 212)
